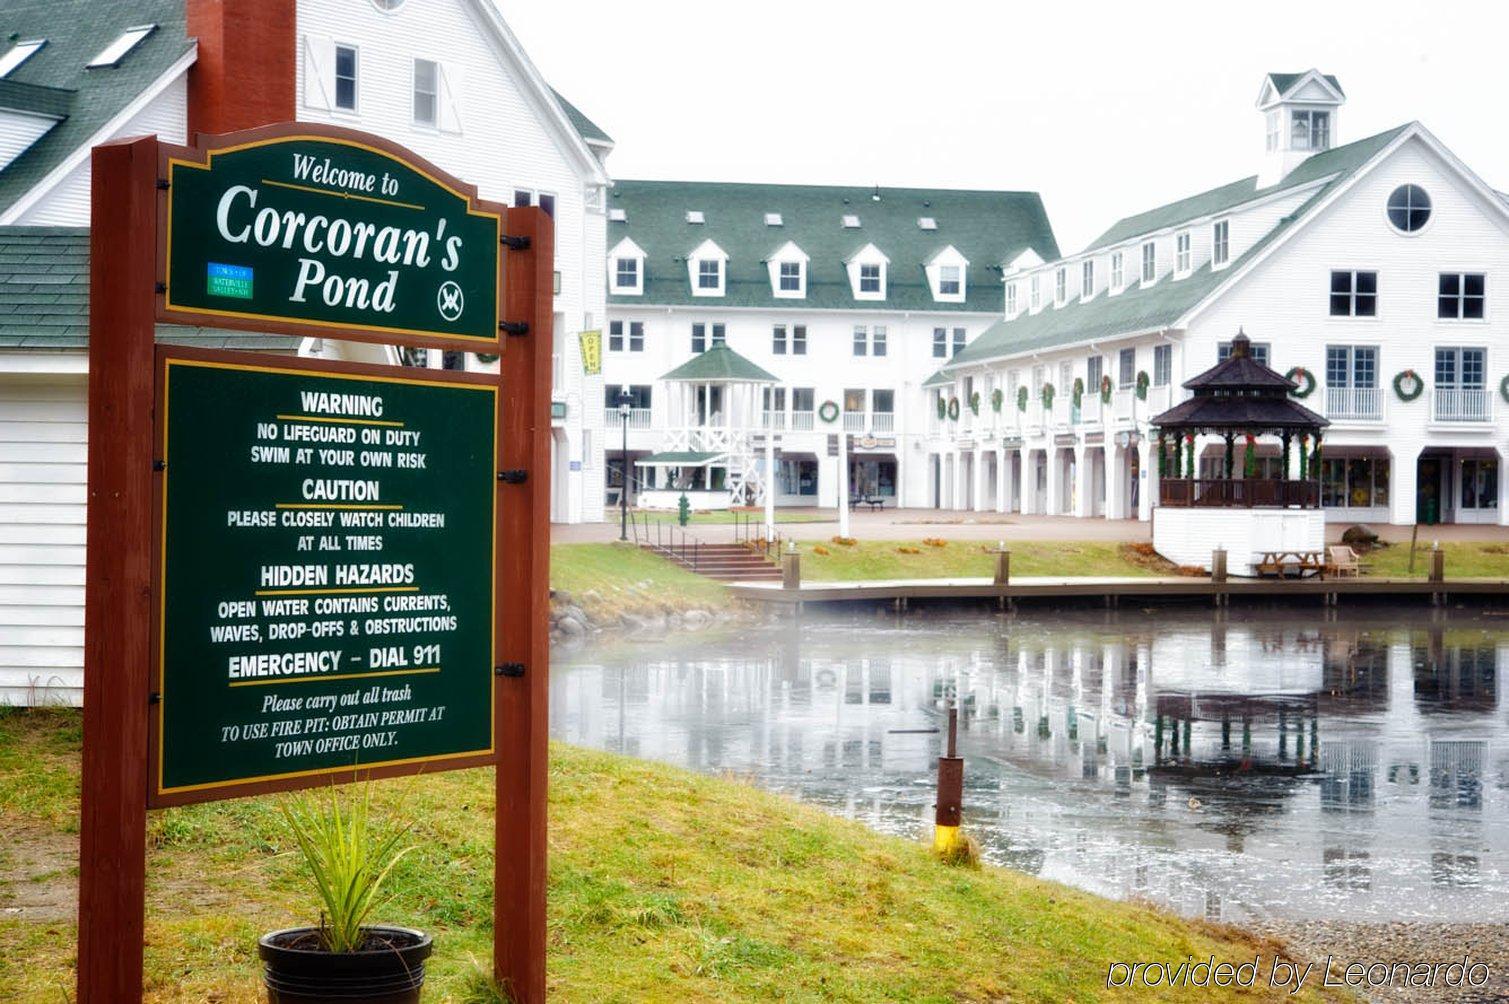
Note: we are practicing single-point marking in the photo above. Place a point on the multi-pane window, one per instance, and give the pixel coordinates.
(1480, 484)
(869, 278)
(1149, 261)
(958, 340)
(1163, 365)
(779, 340)
(1458, 367)
(1309, 130)
(940, 343)
(1355, 483)
(1010, 298)
(1274, 130)
(854, 401)
(799, 339)
(1260, 352)
(1118, 274)
(1094, 370)
(883, 402)
(1220, 242)
(709, 273)
(345, 78)
(616, 336)
(861, 340)
(1181, 252)
(1034, 293)
(1060, 287)
(1352, 366)
(791, 277)
(775, 401)
(801, 399)
(426, 92)
(1126, 362)
(1408, 208)
(626, 273)
(1354, 294)
(949, 280)
(700, 334)
(878, 340)
(1460, 296)
(1087, 278)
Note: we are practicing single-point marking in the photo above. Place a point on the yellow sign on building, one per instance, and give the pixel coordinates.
(592, 352)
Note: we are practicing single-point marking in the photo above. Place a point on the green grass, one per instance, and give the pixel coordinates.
(664, 885)
(612, 579)
(885, 559)
(1464, 559)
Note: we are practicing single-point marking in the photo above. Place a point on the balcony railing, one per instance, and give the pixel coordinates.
(854, 421)
(1354, 403)
(639, 418)
(1238, 493)
(773, 420)
(1461, 404)
(801, 421)
(882, 421)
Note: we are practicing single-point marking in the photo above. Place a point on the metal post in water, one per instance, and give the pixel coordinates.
(950, 790)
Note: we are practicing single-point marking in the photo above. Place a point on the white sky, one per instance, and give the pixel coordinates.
(1105, 108)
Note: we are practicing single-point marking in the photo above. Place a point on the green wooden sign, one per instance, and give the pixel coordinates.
(334, 234)
(327, 575)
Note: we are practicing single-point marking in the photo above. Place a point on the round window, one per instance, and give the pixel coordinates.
(387, 5)
(1408, 208)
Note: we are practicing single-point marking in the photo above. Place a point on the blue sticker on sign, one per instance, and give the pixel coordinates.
(576, 465)
(234, 281)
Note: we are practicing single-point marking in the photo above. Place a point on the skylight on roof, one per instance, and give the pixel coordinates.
(618, 215)
(774, 220)
(20, 53)
(112, 54)
(926, 223)
(851, 222)
(695, 216)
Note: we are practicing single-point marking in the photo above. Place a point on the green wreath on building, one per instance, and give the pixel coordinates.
(942, 407)
(1305, 379)
(997, 398)
(1047, 396)
(974, 402)
(1504, 389)
(1142, 384)
(1408, 385)
(1105, 390)
(1079, 391)
(1021, 398)
(953, 408)
(828, 411)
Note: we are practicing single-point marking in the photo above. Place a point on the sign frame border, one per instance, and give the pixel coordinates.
(202, 156)
(159, 797)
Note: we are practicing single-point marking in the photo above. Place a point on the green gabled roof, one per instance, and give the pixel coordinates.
(1338, 160)
(987, 228)
(942, 378)
(720, 363)
(589, 131)
(1283, 81)
(35, 99)
(76, 31)
(682, 458)
(44, 297)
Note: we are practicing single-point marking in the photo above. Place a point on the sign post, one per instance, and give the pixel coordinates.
(296, 566)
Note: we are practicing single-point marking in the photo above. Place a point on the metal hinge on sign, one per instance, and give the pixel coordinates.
(514, 328)
(162, 184)
(159, 465)
(513, 476)
(515, 243)
(510, 669)
(154, 697)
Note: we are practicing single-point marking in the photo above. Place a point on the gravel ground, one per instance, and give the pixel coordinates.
(1405, 942)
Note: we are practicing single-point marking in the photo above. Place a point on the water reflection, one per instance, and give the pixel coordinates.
(1272, 766)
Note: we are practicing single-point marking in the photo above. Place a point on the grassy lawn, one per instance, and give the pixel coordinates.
(887, 559)
(612, 579)
(1464, 559)
(664, 885)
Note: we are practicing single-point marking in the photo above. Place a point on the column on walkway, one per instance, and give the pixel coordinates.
(1404, 464)
(1083, 504)
(1029, 482)
(1147, 459)
(1503, 486)
(982, 503)
(1115, 481)
(1003, 480)
(961, 483)
(1053, 504)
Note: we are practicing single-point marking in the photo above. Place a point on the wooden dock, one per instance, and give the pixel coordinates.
(1114, 589)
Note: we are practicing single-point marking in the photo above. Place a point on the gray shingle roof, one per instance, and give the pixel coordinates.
(76, 31)
(720, 363)
(1146, 308)
(1283, 81)
(988, 228)
(44, 297)
(590, 132)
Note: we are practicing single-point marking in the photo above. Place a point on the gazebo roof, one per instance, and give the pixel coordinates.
(720, 364)
(1240, 394)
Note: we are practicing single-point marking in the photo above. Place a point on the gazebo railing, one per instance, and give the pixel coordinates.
(1239, 493)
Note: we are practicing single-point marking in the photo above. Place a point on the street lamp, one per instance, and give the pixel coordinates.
(625, 400)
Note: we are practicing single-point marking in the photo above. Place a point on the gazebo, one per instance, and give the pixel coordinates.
(1240, 510)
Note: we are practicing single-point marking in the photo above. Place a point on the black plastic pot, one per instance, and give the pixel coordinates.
(390, 970)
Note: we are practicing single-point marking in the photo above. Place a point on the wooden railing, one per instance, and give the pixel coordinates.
(1238, 493)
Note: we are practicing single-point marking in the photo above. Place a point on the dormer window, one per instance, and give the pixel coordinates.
(1087, 279)
(1149, 262)
(947, 275)
(1034, 294)
(112, 54)
(788, 272)
(867, 273)
(869, 278)
(1011, 299)
(707, 269)
(626, 269)
(20, 53)
(626, 274)
(1060, 286)
(1309, 130)
(790, 279)
(1220, 243)
(1181, 253)
(950, 280)
(709, 275)
(1118, 272)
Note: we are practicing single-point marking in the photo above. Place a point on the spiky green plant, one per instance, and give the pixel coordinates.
(348, 859)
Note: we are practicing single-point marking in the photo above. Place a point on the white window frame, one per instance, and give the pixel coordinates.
(356, 79)
(1087, 279)
(1461, 296)
(1183, 256)
(1060, 286)
(1220, 244)
(1010, 299)
(619, 286)
(415, 92)
(1149, 270)
(706, 253)
(1118, 272)
(16, 56)
(1163, 365)
(950, 275)
(1035, 293)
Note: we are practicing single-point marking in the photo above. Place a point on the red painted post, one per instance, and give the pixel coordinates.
(519, 871)
(118, 580)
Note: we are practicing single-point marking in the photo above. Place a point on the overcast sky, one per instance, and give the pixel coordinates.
(1106, 109)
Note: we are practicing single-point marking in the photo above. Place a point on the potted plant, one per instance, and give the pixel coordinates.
(344, 958)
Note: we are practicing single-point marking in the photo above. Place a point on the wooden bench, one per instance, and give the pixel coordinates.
(873, 501)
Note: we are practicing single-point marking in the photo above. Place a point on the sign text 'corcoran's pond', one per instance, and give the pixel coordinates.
(327, 573)
(329, 233)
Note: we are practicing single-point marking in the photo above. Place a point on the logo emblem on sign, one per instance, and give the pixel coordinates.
(450, 301)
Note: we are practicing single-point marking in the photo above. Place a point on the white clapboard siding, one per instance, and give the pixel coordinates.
(43, 474)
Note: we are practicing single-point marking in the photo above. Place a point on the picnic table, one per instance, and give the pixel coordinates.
(1290, 563)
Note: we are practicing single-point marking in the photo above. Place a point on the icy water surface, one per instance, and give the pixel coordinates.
(1273, 765)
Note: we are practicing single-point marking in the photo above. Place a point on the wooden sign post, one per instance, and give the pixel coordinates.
(286, 581)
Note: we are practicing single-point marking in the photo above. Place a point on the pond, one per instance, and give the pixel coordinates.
(1253, 767)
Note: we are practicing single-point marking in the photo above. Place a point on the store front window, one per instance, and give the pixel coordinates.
(1354, 482)
(1480, 484)
(797, 477)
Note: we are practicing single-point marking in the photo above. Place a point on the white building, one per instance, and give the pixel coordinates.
(443, 77)
(837, 304)
(1370, 268)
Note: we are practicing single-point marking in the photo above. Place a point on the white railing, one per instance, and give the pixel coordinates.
(1159, 400)
(1356, 403)
(558, 373)
(854, 421)
(883, 421)
(1089, 408)
(801, 421)
(639, 418)
(1461, 404)
(773, 420)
